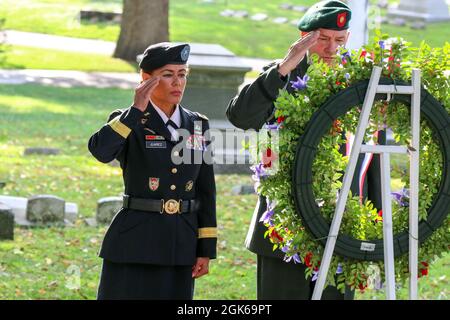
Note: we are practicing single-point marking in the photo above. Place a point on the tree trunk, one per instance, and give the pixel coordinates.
(144, 22)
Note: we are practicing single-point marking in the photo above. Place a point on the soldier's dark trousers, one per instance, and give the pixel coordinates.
(124, 281)
(278, 280)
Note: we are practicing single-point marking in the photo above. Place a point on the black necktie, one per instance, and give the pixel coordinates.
(171, 123)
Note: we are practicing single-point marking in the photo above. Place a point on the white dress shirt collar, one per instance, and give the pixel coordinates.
(176, 118)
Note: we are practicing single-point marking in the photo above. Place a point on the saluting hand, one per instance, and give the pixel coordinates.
(297, 52)
(200, 268)
(143, 92)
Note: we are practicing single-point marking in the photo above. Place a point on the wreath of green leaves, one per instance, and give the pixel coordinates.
(362, 220)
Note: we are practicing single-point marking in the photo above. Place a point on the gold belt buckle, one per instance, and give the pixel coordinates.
(172, 206)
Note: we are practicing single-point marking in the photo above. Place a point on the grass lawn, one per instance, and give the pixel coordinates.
(192, 21)
(44, 263)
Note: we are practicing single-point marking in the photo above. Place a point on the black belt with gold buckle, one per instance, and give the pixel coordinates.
(170, 206)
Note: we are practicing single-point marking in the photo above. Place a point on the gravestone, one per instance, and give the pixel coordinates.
(259, 17)
(383, 4)
(6, 223)
(398, 22)
(107, 209)
(240, 14)
(18, 207)
(227, 13)
(286, 6)
(424, 10)
(382, 20)
(300, 8)
(45, 209)
(243, 189)
(100, 16)
(41, 151)
(280, 20)
(418, 25)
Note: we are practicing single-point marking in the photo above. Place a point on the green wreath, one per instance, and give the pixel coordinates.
(310, 123)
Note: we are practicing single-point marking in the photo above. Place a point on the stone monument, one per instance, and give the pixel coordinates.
(6, 223)
(421, 10)
(107, 209)
(44, 209)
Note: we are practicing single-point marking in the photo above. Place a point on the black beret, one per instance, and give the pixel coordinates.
(160, 54)
(327, 14)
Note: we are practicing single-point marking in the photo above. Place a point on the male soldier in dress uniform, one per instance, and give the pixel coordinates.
(323, 28)
(165, 234)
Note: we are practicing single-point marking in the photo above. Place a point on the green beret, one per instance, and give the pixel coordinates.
(334, 15)
(160, 54)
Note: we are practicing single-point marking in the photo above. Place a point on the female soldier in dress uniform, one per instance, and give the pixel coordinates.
(165, 234)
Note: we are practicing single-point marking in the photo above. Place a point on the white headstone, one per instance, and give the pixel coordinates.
(280, 20)
(227, 13)
(425, 10)
(18, 207)
(286, 6)
(240, 14)
(299, 8)
(259, 17)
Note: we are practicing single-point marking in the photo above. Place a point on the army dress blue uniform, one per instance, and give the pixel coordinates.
(169, 216)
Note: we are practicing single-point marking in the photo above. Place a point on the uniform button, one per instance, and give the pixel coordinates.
(174, 170)
(176, 153)
(172, 187)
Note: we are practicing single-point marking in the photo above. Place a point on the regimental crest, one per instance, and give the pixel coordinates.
(189, 185)
(341, 19)
(153, 183)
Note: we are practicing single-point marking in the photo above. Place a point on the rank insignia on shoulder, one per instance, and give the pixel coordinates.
(202, 116)
(189, 185)
(153, 183)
